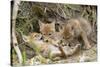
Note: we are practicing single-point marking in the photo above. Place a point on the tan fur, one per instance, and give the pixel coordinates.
(34, 39)
(47, 30)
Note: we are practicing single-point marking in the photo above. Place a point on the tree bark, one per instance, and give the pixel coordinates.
(14, 39)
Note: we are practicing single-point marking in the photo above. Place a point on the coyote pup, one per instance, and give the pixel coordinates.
(49, 32)
(35, 41)
(75, 28)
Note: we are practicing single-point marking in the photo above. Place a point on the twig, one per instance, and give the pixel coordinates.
(14, 39)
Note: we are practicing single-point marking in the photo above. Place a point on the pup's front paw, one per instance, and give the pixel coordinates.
(88, 46)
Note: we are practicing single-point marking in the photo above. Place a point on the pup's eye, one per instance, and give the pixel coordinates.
(40, 33)
(36, 35)
(72, 28)
(49, 33)
(44, 34)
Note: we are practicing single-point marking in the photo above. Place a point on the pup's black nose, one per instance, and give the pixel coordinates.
(41, 38)
(46, 40)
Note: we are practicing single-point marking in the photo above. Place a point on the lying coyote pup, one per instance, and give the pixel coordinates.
(35, 41)
(75, 28)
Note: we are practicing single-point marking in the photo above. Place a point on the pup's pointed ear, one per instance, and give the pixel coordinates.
(40, 23)
(53, 24)
(61, 28)
(25, 38)
(54, 21)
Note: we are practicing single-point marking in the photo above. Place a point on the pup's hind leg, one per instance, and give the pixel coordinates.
(85, 39)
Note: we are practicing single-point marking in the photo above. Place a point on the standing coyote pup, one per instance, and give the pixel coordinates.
(75, 28)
